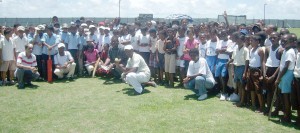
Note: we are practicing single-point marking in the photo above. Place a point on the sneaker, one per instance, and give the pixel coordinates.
(12, 82)
(229, 98)
(21, 86)
(223, 97)
(202, 97)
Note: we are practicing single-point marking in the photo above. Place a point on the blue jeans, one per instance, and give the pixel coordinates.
(199, 85)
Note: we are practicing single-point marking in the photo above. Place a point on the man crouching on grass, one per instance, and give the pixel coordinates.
(136, 71)
(199, 77)
(26, 67)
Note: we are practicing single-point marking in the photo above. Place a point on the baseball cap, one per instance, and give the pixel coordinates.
(61, 45)
(128, 47)
(65, 25)
(22, 28)
(40, 27)
(92, 26)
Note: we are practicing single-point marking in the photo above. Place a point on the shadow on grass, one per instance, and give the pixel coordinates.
(290, 125)
(131, 92)
(64, 80)
(110, 81)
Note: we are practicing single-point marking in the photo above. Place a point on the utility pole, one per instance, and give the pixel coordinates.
(265, 13)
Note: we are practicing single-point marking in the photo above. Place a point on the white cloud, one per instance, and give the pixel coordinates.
(275, 9)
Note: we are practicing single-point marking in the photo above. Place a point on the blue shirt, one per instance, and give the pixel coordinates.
(50, 41)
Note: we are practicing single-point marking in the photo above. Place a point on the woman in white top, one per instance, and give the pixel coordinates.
(199, 77)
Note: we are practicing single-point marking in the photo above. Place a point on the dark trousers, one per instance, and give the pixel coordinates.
(26, 75)
(146, 56)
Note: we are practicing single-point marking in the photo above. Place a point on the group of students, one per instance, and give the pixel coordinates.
(253, 60)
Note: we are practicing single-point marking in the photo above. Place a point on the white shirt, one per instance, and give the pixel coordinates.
(297, 66)
(20, 43)
(125, 38)
(180, 49)
(61, 60)
(255, 60)
(106, 39)
(24, 60)
(202, 49)
(222, 45)
(201, 67)
(268, 43)
(153, 42)
(138, 62)
(289, 55)
(7, 47)
(240, 56)
(211, 48)
(144, 39)
(37, 48)
(160, 46)
(272, 61)
(73, 41)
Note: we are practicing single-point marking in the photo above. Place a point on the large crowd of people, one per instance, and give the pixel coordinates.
(247, 64)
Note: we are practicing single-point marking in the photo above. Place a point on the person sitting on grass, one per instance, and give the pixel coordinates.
(26, 67)
(136, 71)
(64, 63)
(91, 55)
(199, 77)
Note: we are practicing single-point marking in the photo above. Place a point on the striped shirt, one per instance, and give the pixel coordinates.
(27, 61)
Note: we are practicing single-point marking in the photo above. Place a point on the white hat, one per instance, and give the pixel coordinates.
(61, 45)
(102, 27)
(22, 28)
(65, 25)
(128, 47)
(106, 28)
(83, 25)
(40, 27)
(92, 26)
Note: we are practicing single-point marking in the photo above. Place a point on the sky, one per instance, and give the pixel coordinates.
(253, 9)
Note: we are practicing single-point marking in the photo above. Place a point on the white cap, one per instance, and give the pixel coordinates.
(22, 28)
(83, 25)
(128, 47)
(40, 27)
(102, 27)
(92, 26)
(61, 45)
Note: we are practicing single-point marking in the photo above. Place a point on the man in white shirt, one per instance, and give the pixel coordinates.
(26, 67)
(64, 63)
(20, 40)
(136, 71)
(199, 77)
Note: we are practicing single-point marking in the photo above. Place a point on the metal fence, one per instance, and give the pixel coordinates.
(36, 21)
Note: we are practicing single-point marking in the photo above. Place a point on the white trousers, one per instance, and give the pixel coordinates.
(69, 70)
(135, 80)
(90, 68)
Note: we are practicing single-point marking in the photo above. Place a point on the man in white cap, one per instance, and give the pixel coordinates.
(64, 63)
(136, 71)
(20, 40)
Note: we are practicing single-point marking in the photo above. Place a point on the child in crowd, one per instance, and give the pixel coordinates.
(190, 43)
(7, 57)
(285, 76)
(295, 98)
(256, 72)
(223, 57)
(240, 59)
(91, 55)
(179, 61)
(202, 45)
(272, 67)
(153, 50)
(170, 48)
(160, 55)
(143, 43)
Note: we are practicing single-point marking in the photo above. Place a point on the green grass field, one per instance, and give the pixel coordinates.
(296, 31)
(99, 105)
